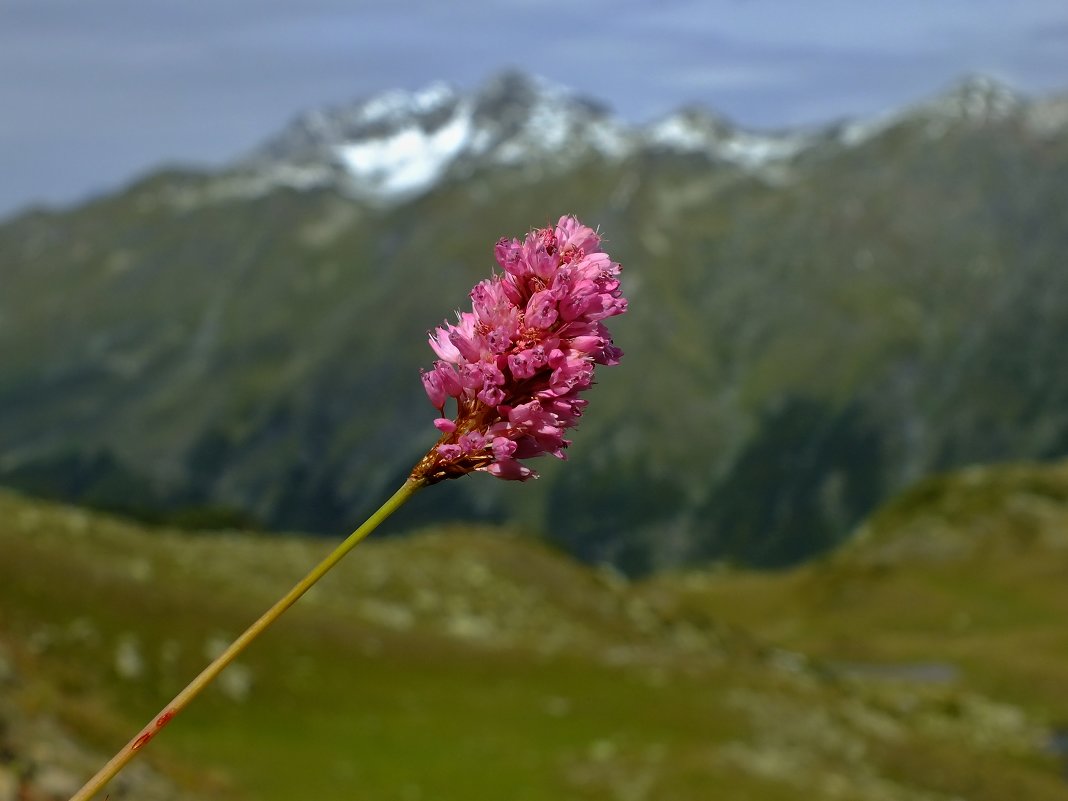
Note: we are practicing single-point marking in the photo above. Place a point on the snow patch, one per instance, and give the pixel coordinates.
(551, 124)
(409, 160)
(743, 148)
(755, 150)
(857, 132)
(399, 102)
(610, 140)
(1048, 118)
(677, 133)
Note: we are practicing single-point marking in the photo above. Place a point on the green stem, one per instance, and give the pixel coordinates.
(194, 688)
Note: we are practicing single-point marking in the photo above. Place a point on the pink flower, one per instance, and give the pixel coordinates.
(513, 367)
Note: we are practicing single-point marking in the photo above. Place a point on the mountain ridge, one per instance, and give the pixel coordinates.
(800, 344)
(393, 146)
(396, 145)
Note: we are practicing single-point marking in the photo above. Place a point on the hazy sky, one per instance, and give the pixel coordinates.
(94, 91)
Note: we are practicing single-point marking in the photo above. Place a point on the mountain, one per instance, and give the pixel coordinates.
(818, 318)
(398, 145)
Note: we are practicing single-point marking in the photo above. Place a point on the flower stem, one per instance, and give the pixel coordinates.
(194, 688)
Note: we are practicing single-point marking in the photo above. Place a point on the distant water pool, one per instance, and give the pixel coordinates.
(920, 672)
(1058, 746)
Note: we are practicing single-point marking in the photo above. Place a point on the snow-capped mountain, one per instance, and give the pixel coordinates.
(695, 130)
(885, 305)
(400, 144)
(975, 100)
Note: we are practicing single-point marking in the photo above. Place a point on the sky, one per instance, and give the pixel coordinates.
(96, 92)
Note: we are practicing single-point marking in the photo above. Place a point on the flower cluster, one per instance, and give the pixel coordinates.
(516, 364)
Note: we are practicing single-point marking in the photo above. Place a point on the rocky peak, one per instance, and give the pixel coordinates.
(399, 144)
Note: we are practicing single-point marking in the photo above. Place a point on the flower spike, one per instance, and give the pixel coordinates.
(515, 364)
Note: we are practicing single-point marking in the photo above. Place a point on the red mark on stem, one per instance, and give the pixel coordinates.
(161, 721)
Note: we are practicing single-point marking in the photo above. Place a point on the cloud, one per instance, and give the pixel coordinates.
(727, 76)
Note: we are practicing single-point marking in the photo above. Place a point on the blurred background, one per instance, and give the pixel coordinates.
(812, 537)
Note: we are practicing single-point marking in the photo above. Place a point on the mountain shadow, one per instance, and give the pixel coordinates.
(809, 474)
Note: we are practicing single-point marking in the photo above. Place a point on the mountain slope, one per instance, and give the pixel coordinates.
(470, 664)
(807, 333)
(960, 578)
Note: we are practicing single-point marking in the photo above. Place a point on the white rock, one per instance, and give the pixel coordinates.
(129, 663)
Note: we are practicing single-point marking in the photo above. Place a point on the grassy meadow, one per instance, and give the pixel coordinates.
(922, 660)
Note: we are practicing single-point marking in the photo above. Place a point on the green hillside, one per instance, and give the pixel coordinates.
(964, 576)
(922, 661)
(799, 346)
